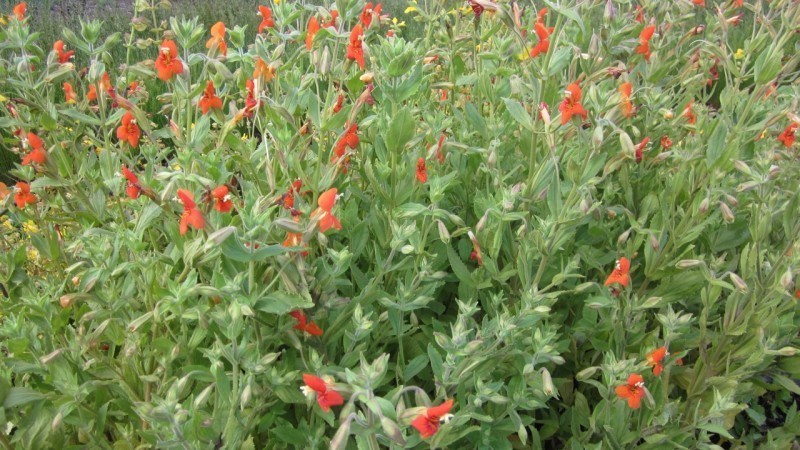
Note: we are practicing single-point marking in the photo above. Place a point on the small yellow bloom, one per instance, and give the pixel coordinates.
(277, 2)
(244, 137)
(2, 20)
(33, 254)
(176, 167)
(397, 23)
(30, 227)
(98, 150)
(411, 8)
(524, 56)
(7, 224)
(739, 54)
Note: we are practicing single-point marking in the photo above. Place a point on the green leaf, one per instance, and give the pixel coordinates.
(519, 113)
(19, 396)
(401, 130)
(716, 143)
(233, 249)
(281, 302)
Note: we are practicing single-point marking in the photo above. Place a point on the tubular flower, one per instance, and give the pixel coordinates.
(302, 321)
(218, 38)
(639, 14)
(3, 191)
(625, 104)
(63, 56)
(69, 93)
(191, 215)
(23, 196)
(428, 422)
(323, 213)
(422, 172)
(640, 149)
(326, 396)
(134, 188)
(544, 40)
(37, 154)
(349, 140)
(209, 99)
(369, 12)
(571, 106)
(787, 136)
(666, 142)
(222, 201)
(129, 132)
(296, 240)
(266, 18)
(633, 392)
(476, 254)
(339, 103)
(167, 64)
(250, 103)
(644, 41)
(354, 49)
(263, 70)
(689, 114)
(311, 31)
(287, 199)
(19, 11)
(655, 359)
(621, 273)
(479, 6)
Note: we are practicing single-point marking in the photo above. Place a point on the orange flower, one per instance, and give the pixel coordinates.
(105, 85)
(787, 136)
(644, 41)
(3, 191)
(476, 254)
(639, 153)
(544, 40)
(655, 358)
(23, 196)
(354, 49)
(428, 422)
(639, 14)
(338, 105)
(19, 10)
(633, 391)
(302, 321)
(129, 131)
(323, 214)
(331, 23)
(349, 140)
(218, 38)
(63, 56)
(625, 104)
(688, 113)
(263, 70)
(422, 172)
(69, 93)
(699, 2)
(738, 3)
(266, 18)
(222, 201)
(666, 142)
(369, 12)
(209, 99)
(134, 188)
(250, 104)
(313, 27)
(167, 64)
(571, 106)
(191, 215)
(439, 153)
(37, 154)
(621, 274)
(326, 397)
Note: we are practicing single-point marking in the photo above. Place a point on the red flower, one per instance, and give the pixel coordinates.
(218, 38)
(63, 56)
(287, 199)
(369, 12)
(129, 131)
(476, 254)
(326, 397)
(250, 104)
(625, 104)
(348, 140)
(639, 14)
(191, 215)
(332, 22)
(640, 149)
(439, 153)
(19, 11)
(222, 201)
(644, 41)
(23, 196)
(428, 422)
(544, 40)
(699, 2)
(571, 106)
(134, 188)
(787, 136)
(338, 105)
(666, 142)
(621, 274)
(633, 391)
(689, 114)
(302, 321)
(69, 93)
(422, 172)
(713, 75)
(209, 99)
(37, 154)
(105, 85)
(354, 49)
(311, 31)
(323, 213)
(167, 64)
(655, 358)
(266, 18)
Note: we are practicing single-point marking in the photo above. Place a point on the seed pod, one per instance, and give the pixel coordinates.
(624, 236)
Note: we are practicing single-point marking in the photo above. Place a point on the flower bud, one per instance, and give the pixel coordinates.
(444, 235)
(688, 263)
(56, 423)
(738, 282)
(586, 373)
(703, 208)
(244, 399)
(482, 222)
(727, 214)
(584, 206)
(773, 171)
(547, 383)
(367, 77)
(732, 200)
(654, 242)
(667, 114)
(624, 236)
(786, 279)
(741, 166)
(66, 300)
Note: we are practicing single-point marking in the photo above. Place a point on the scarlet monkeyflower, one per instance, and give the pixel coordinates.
(263, 70)
(19, 11)
(287, 199)
(543, 45)
(302, 321)
(625, 105)
(571, 105)
(331, 23)
(250, 103)
(326, 396)
(63, 56)
(338, 105)
(69, 93)
(23, 196)
(477, 8)
(422, 172)
(787, 136)
(349, 140)
(428, 422)
(218, 38)
(311, 31)
(222, 201)
(129, 132)
(354, 49)
(368, 12)
(689, 114)
(644, 41)
(639, 14)
(439, 152)
(191, 215)
(167, 64)
(655, 359)
(134, 188)
(621, 273)
(37, 154)
(266, 18)
(633, 392)
(640, 149)
(105, 85)
(666, 142)
(323, 213)
(699, 2)
(209, 99)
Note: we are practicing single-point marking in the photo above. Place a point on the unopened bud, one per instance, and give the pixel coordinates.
(727, 214)
(688, 263)
(667, 114)
(703, 208)
(76, 280)
(586, 373)
(654, 242)
(732, 200)
(738, 282)
(245, 397)
(547, 383)
(56, 423)
(367, 77)
(545, 114)
(66, 300)
(741, 166)
(624, 236)
(773, 171)
(492, 159)
(786, 279)
(444, 235)
(584, 206)
(482, 223)
(611, 213)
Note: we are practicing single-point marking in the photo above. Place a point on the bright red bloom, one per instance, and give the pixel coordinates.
(625, 104)
(348, 140)
(218, 38)
(311, 31)
(63, 56)
(544, 40)
(639, 14)
(134, 188)
(129, 132)
(422, 172)
(640, 149)
(37, 154)
(266, 18)
(644, 41)
(69, 93)
(191, 215)
(427, 423)
(699, 2)
(655, 359)
(323, 213)
(369, 12)
(338, 105)
(439, 153)
(571, 106)
(250, 103)
(621, 273)
(302, 321)
(666, 142)
(23, 196)
(787, 136)
(354, 49)
(689, 114)
(738, 3)
(167, 64)
(633, 391)
(222, 201)
(332, 22)
(326, 396)
(209, 99)
(19, 11)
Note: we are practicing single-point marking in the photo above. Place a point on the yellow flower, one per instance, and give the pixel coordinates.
(98, 150)
(2, 20)
(7, 224)
(33, 254)
(739, 54)
(176, 167)
(30, 227)
(411, 8)
(398, 24)
(526, 55)
(244, 137)
(277, 2)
